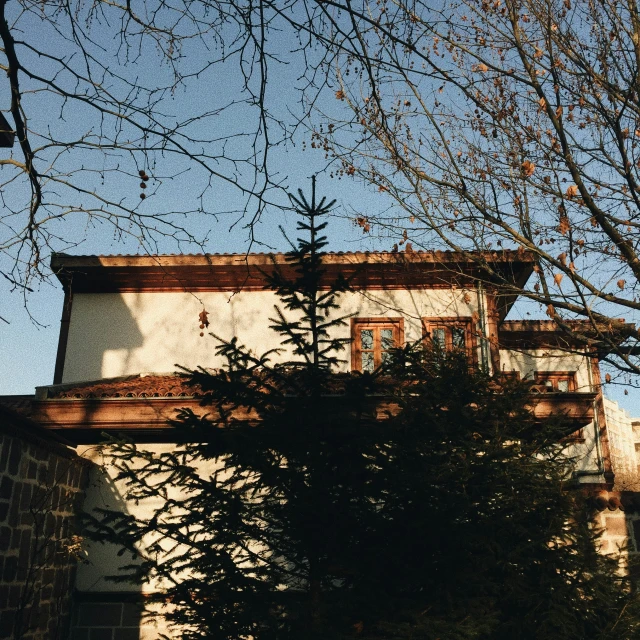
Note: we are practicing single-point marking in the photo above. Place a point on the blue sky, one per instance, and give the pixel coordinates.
(29, 332)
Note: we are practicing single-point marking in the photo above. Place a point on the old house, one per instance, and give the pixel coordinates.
(129, 320)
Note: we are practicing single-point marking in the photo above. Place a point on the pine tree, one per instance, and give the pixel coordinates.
(423, 501)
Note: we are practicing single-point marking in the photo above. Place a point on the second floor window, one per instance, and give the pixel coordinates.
(373, 341)
(449, 334)
(560, 381)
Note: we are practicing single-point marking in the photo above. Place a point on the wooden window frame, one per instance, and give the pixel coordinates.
(358, 323)
(541, 377)
(448, 322)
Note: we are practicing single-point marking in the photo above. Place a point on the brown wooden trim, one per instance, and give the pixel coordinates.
(18, 426)
(357, 323)
(575, 406)
(147, 419)
(493, 323)
(540, 334)
(384, 270)
(104, 414)
(62, 261)
(63, 337)
(602, 421)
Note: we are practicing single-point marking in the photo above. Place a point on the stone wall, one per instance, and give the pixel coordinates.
(41, 484)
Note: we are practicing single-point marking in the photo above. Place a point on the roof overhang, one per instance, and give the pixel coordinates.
(246, 272)
(90, 420)
(579, 335)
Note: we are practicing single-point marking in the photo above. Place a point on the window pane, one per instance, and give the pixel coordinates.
(367, 362)
(366, 338)
(458, 338)
(563, 385)
(386, 339)
(386, 357)
(437, 335)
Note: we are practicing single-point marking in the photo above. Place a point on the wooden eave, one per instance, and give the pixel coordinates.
(86, 420)
(577, 407)
(246, 272)
(537, 334)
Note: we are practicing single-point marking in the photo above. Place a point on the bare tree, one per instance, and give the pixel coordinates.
(511, 123)
(503, 124)
(113, 104)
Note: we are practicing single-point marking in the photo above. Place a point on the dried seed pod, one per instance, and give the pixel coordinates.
(143, 196)
(143, 185)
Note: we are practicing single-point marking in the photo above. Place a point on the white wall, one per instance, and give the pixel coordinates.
(105, 492)
(587, 454)
(622, 441)
(114, 334)
(527, 361)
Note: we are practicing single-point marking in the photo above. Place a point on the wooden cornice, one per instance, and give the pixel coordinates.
(534, 334)
(577, 407)
(86, 420)
(246, 272)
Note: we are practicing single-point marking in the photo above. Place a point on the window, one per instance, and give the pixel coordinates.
(449, 334)
(555, 381)
(373, 340)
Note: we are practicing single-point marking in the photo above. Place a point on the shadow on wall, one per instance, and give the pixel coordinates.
(102, 608)
(116, 334)
(99, 324)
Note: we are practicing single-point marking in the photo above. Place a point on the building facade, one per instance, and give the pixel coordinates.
(129, 321)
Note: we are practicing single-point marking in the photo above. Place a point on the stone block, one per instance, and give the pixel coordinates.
(24, 554)
(101, 634)
(15, 592)
(10, 569)
(25, 497)
(4, 511)
(32, 470)
(49, 524)
(6, 624)
(14, 509)
(5, 445)
(15, 456)
(52, 472)
(15, 539)
(46, 592)
(5, 538)
(80, 634)
(6, 488)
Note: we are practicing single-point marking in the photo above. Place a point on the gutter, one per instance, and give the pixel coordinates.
(482, 321)
(599, 470)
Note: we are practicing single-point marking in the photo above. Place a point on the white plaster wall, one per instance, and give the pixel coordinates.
(105, 492)
(114, 334)
(527, 361)
(622, 441)
(586, 454)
